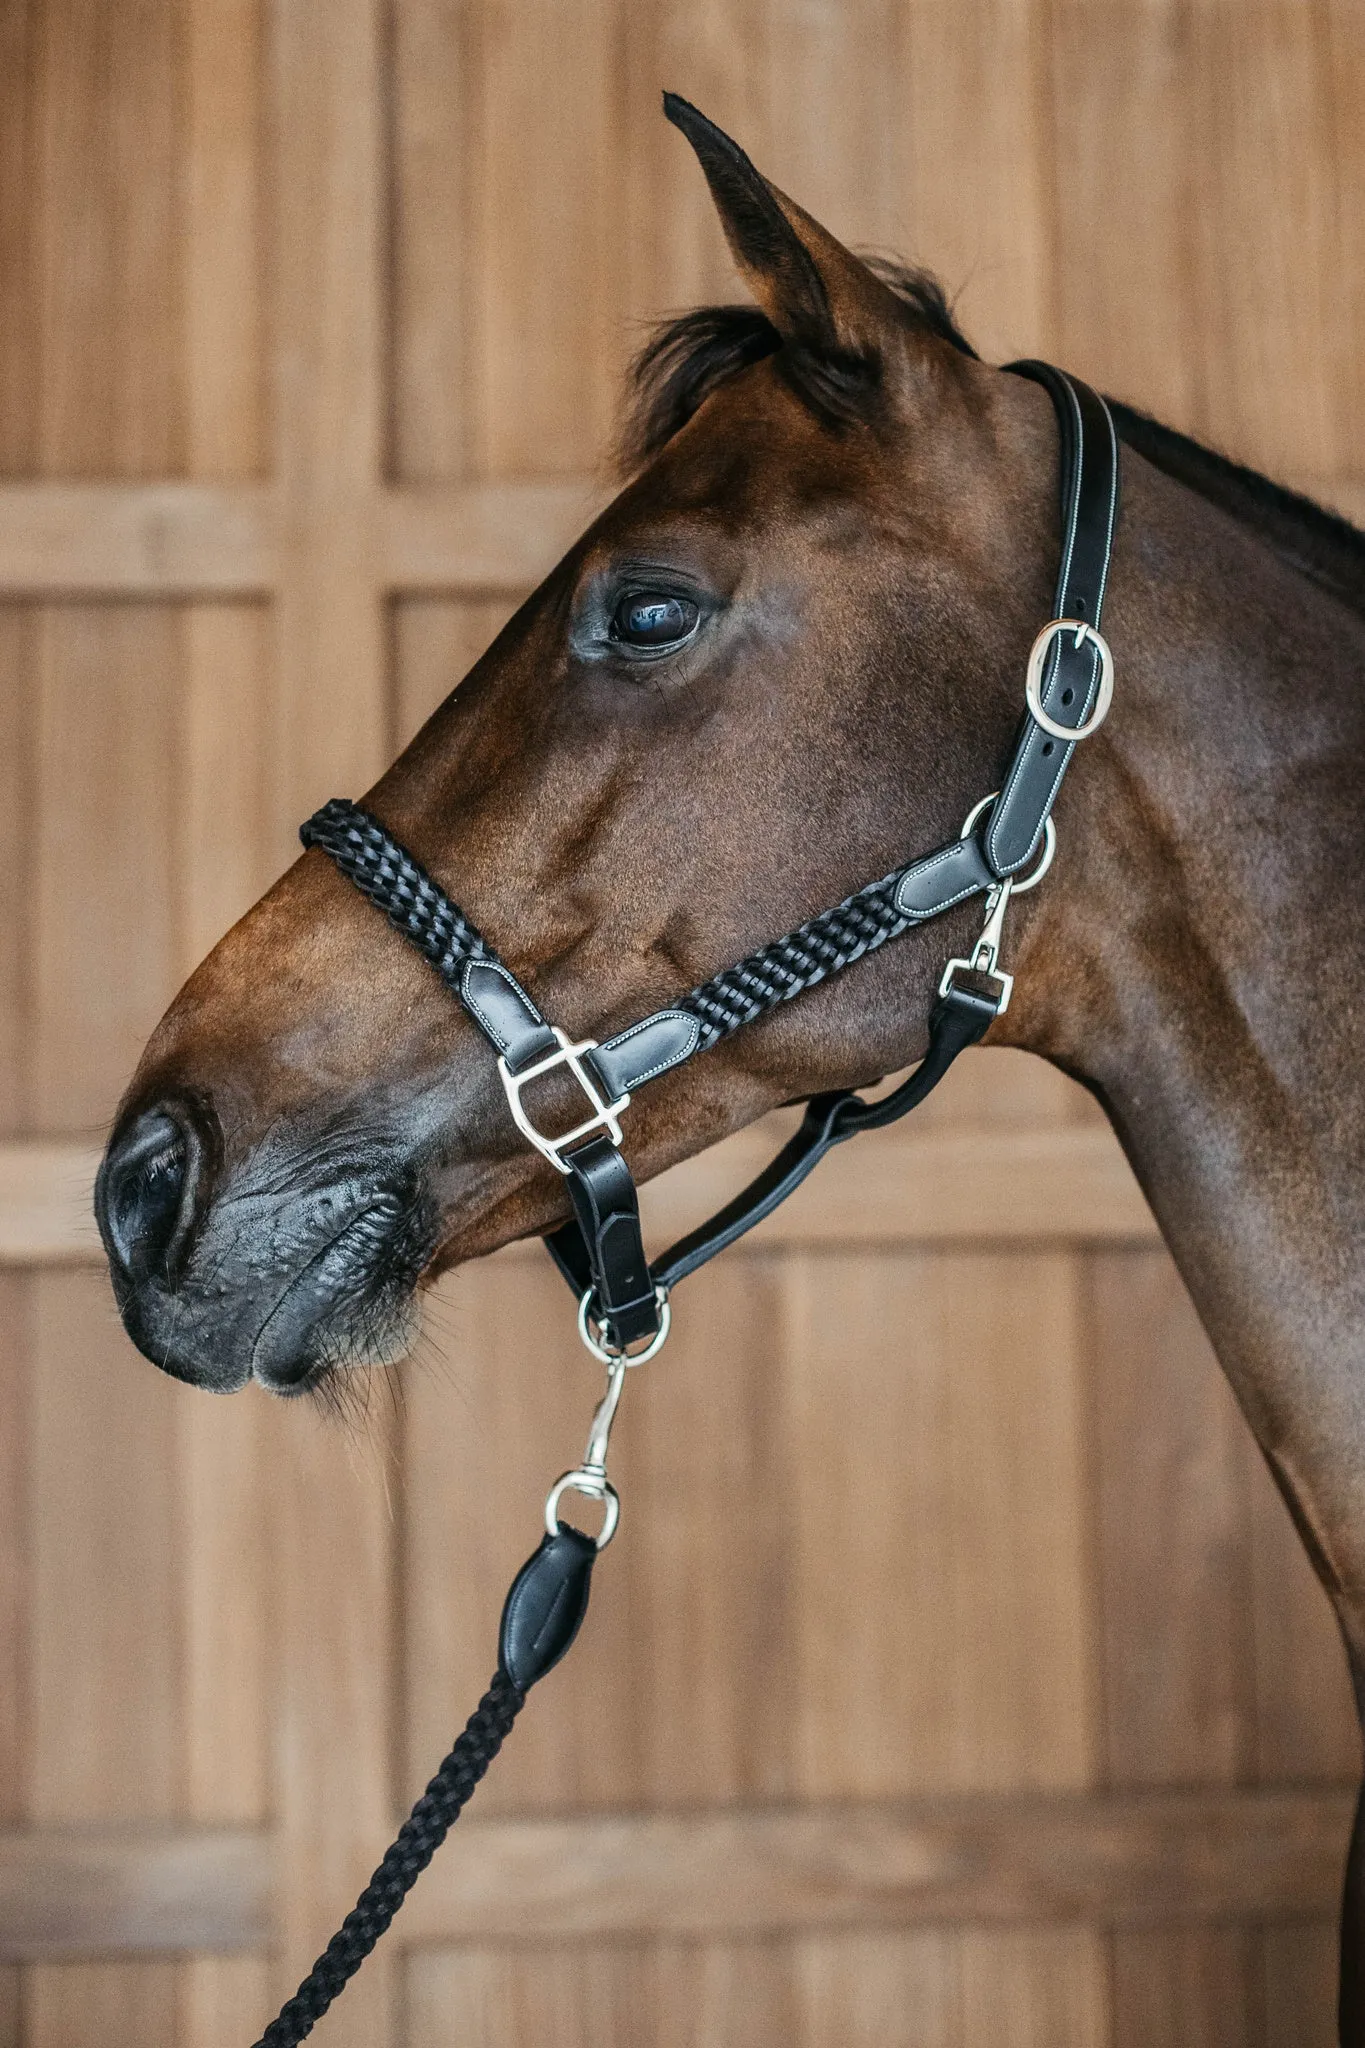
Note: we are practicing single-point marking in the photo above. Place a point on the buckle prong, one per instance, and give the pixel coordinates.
(605, 1115)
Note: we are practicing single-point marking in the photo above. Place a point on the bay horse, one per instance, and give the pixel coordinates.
(785, 657)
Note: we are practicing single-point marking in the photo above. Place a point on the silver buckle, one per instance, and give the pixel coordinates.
(1033, 680)
(604, 1114)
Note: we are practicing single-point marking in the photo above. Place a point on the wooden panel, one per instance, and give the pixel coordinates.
(879, 1990)
(436, 643)
(436, 106)
(545, 312)
(1299, 1987)
(103, 935)
(942, 1601)
(103, 1628)
(135, 540)
(1179, 1703)
(1265, 262)
(1034, 1989)
(117, 2003)
(100, 378)
(101, 1497)
(18, 664)
(89, 1891)
(1184, 1988)
(1119, 1860)
(1121, 109)
(977, 207)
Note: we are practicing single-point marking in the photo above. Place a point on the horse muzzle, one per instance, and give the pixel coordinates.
(266, 1272)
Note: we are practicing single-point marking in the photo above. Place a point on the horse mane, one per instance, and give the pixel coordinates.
(687, 357)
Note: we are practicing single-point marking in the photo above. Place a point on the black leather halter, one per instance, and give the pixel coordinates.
(601, 1252)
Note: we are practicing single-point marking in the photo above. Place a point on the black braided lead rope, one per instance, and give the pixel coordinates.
(420, 909)
(420, 1836)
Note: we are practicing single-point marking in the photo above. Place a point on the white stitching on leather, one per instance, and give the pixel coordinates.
(1024, 758)
(485, 1022)
(661, 1066)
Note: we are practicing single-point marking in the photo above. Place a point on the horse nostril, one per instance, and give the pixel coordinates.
(145, 1197)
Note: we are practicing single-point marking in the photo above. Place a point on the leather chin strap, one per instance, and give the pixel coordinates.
(601, 1251)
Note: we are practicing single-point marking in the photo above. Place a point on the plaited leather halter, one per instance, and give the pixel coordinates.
(623, 1300)
(601, 1252)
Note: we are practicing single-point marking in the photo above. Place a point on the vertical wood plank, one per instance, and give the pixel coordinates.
(103, 926)
(975, 170)
(1175, 1591)
(1034, 1988)
(1125, 201)
(223, 148)
(16, 1347)
(1184, 1988)
(20, 257)
(436, 129)
(102, 1686)
(879, 1990)
(327, 118)
(123, 2003)
(436, 642)
(1299, 1968)
(547, 319)
(19, 639)
(1263, 219)
(943, 1602)
(110, 368)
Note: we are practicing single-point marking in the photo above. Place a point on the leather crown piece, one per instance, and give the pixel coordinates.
(601, 1251)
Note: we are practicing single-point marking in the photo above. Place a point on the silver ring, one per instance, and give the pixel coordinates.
(1049, 845)
(612, 1355)
(592, 1486)
(1038, 654)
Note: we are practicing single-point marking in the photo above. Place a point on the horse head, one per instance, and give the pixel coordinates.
(784, 658)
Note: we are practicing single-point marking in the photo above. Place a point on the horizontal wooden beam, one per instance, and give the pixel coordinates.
(115, 1892)
(493, 537)
(1070, 1185)
(185, 540)
(152, 540)
(1115, 1861)
(45, 1196)
(171, 539)
(1110, 1860)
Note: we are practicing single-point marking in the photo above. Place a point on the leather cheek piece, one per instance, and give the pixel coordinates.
(1040, 763)
(504, 1012)
(948, 876)
(662, 1041)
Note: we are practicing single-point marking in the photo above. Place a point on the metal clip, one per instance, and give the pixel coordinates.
(986, 951)
(590, 1478)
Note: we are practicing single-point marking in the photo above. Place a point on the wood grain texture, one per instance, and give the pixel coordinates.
(1178, 1671)
(87, 1891)
(308, 357)
(1121, 1860)
(941, 1642)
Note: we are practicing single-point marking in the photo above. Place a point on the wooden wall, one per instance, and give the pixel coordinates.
(955, 1679)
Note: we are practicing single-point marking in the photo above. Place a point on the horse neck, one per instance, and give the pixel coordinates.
(1205, 973)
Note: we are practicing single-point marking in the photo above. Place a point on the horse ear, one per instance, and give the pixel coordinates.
(814, 290)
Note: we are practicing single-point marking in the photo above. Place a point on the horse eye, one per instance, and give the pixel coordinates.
(652, 618)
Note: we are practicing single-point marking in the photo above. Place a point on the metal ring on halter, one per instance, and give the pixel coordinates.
(1033, 692)
(593, 1486)
(1049, 846)
(611, 1354)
